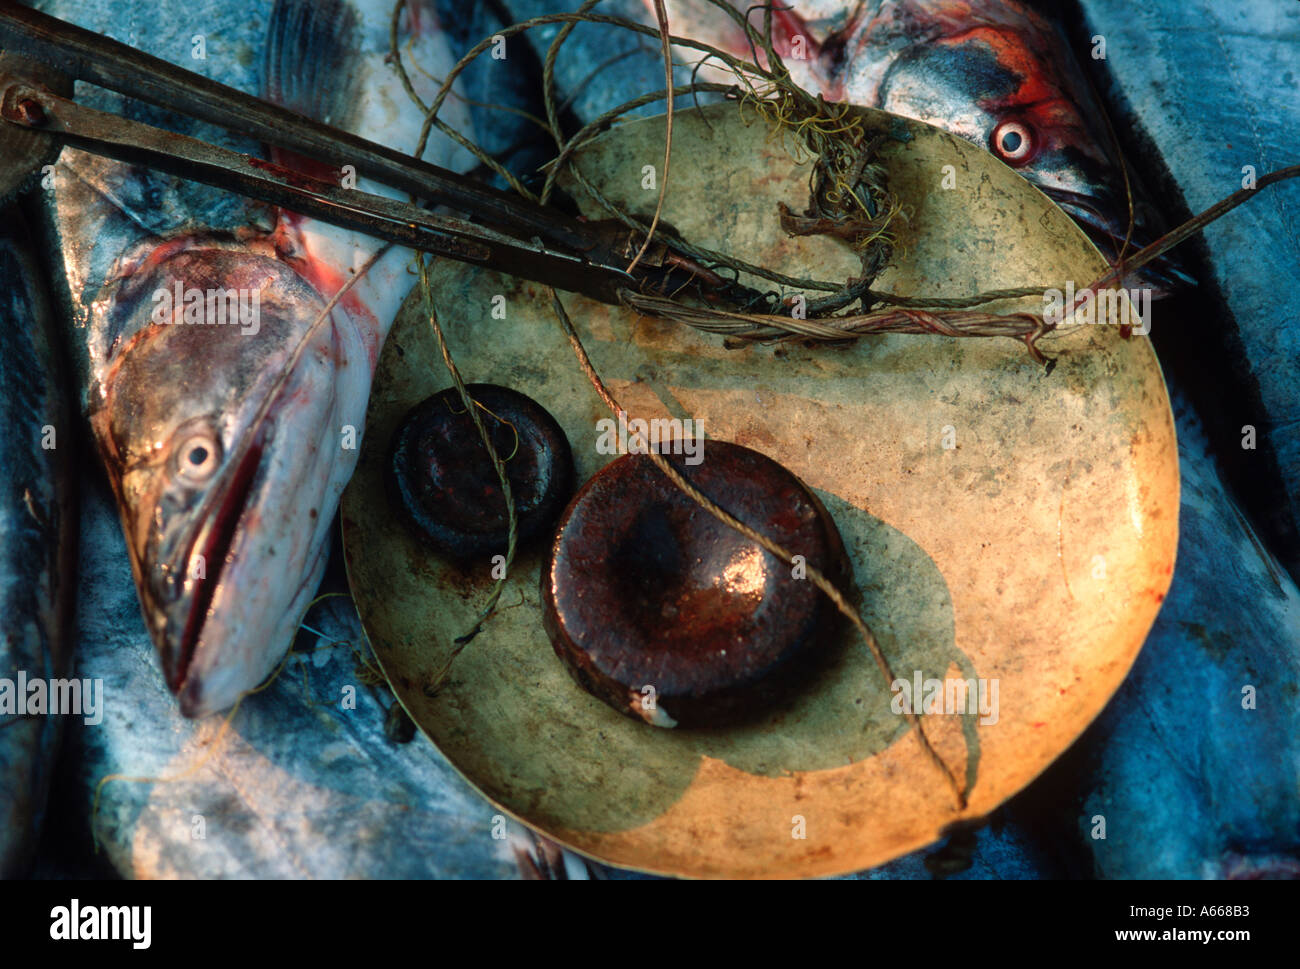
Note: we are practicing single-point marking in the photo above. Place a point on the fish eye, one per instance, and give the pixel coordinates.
(1013, 142)
(196, 454)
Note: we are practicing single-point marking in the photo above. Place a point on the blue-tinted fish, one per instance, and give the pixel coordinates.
(1217, 102)
(37, 539)
(304, 783)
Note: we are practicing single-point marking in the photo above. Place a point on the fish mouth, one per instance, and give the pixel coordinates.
(213, 543)
(1164, 275)
(243, 571)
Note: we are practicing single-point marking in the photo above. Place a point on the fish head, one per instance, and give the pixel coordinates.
(222, 444)
(1000, 76)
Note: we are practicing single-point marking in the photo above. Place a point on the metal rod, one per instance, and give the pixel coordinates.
(508, 233)
(105, 62)
(384, 218)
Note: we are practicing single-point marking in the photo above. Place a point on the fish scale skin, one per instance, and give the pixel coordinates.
(490, 84)
(37, 535)
(1215, 86)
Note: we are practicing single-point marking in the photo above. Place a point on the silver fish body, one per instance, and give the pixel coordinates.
(37, 540)
(229, 422)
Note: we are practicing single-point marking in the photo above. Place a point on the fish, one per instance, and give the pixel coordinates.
(37, 538)
(502, 95)
(307, 782)
(994, 72)
(228, 446)
(600, 66)
(303, 784)
(1208, 107)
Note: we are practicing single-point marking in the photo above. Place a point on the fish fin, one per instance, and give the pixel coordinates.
(308, 47)
(331, 60)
